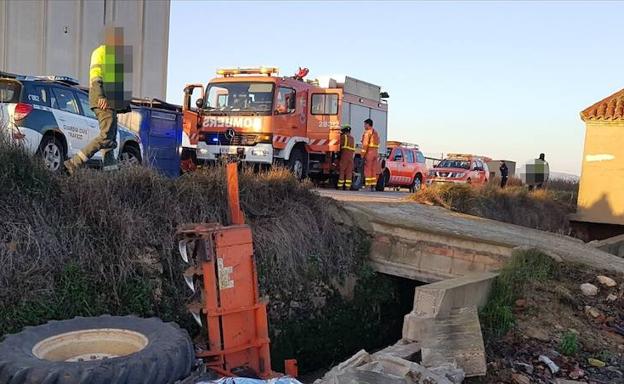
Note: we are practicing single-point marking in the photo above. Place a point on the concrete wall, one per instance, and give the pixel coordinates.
(601, 191)
(56, 37)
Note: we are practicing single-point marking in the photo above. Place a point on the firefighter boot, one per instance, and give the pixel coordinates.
(110, 163)
(73, 164)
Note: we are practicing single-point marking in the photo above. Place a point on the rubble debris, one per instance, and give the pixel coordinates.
(606, 281)
(356, 376)
(528, 368)
(519, 378)
(589, 289)
(576, 373)
(537, 333)
(403, 348)
(593, 312)
(363, 368)
(551, 364)
(558, 307)
(596, 363)
(451, 371)
(243, 380)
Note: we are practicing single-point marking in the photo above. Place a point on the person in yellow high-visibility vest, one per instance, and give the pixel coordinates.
(106, 97)
(345, 165)
(370, 154)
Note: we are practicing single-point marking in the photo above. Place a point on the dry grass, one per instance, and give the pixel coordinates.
(96, 242)
(544, 209)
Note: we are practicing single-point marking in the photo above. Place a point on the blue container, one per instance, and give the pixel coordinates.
(159, 124)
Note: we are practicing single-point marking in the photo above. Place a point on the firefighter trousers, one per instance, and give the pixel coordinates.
(106, 141)
(345, 167)
(371, 165)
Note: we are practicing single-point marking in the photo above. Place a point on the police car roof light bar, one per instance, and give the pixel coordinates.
(61, 79)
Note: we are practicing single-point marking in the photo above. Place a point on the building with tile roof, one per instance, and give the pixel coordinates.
(608, 109)
(601, 190)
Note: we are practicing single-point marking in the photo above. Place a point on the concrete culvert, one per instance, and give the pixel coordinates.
(105, 349)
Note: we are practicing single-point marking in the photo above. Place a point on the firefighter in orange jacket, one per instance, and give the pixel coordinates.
(370, 153)
(345, 165)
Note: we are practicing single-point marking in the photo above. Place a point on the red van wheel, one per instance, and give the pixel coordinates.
(416, 184)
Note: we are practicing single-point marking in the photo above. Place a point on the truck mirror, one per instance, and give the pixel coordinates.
(199, 103)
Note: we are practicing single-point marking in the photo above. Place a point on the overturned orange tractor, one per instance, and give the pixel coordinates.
(258, 117)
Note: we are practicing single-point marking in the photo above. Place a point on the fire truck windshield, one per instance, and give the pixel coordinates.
(240, 98)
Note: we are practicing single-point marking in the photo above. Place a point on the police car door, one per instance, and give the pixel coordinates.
(68, 118)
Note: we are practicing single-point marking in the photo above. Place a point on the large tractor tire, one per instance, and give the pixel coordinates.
(97, 350)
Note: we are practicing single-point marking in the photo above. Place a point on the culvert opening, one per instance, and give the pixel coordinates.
(372, 321)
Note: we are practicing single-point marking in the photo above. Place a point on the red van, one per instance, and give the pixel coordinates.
(460, 168)
(404, 167)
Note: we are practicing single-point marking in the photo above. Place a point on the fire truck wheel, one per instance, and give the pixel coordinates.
(358, 174)
(298, 163)
(382, 181)
(98, 350)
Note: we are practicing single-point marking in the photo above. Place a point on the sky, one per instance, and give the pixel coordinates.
(501, 79)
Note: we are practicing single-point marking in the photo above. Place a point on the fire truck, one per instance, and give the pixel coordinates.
(258, 117)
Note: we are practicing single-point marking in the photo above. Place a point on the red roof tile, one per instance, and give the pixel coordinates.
(611, 108)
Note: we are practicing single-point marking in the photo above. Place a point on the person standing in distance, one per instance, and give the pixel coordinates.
(504, 171)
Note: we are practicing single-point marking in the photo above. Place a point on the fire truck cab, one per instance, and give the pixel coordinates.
(258, 117)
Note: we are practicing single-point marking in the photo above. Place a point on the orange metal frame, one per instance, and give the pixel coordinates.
(230, 308)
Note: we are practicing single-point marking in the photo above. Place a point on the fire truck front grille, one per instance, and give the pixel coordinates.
(223, 139)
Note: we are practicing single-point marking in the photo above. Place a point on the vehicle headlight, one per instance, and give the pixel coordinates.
(264, 138)
(459, 175)
(432, 173)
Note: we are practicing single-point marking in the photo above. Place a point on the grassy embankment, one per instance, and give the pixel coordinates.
(97, 243)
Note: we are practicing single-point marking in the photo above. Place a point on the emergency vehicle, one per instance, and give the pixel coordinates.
(256, 116)
(460, 168)
(404, 167)
(51, 117)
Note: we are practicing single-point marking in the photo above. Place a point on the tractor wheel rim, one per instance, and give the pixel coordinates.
(52, 156)
(90, 344)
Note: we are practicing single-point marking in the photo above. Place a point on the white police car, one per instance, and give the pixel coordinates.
(50, 116)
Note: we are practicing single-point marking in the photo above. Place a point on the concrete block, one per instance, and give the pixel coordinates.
(415, 327)
(403, 349)
(357, 376)
(415, 372)
(456, 339)
(359, 359)
(438, 299)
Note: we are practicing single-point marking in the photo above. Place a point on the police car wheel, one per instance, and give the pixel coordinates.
(130, 156)
(52, 152)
